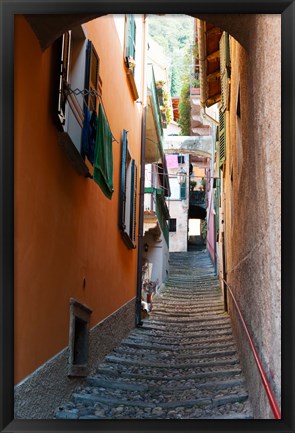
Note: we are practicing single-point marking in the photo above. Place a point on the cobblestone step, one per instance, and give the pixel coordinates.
(111, 379)
(182, 363)
(169, 374)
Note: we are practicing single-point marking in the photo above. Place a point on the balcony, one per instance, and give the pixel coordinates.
(156, 213)
(154, 129)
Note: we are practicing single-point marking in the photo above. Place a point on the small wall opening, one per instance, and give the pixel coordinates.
(78, 338)
(80, 342)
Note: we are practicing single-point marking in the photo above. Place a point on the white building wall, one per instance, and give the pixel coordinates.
(179, 209)
(157, 255)
(178, 239)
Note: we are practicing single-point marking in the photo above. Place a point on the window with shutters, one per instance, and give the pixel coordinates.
(225, 69)
(130, 52)
(130, 41)
(178, 192)
(79, 87)
(93, 83)
(63, 75)
(128, 193)
(183, 191)
(180, 159)
(222, 138)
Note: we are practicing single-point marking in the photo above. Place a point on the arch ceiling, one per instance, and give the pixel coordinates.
(49, 27)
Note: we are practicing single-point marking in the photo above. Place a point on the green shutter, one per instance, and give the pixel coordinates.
(130, 36)
(128, 189)
(224, 76)
(132, 225)
(122, 198)
(224, 69)
(216, 206)
(183, 191)
(222, 137)
(64, 75)
(91, 75)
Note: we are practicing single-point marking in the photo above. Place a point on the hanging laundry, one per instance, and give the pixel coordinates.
(103, 155)
(172, 161)
(89, 134)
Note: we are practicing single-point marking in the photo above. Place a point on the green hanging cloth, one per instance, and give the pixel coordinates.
(103, 155)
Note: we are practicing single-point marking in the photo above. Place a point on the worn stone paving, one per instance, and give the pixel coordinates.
(181, 364)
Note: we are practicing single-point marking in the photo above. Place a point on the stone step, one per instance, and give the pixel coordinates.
(168, 375)
(183, 343)
(151, 354)
(165, 400)
(111, 383)
(190, 309)
(145, 384)
(162, 325)
(141, 344)
(218, 360)
(152, 333)
(222, 319)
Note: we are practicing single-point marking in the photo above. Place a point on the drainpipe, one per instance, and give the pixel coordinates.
(138, 321)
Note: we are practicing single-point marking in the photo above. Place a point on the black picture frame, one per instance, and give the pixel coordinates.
(10, 8)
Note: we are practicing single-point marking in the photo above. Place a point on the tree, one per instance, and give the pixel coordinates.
(185, 103)
(175, 82)
(185, 109)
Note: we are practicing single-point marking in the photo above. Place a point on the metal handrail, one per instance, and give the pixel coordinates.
(269, 392)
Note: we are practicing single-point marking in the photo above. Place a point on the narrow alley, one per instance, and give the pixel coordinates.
(180, 364)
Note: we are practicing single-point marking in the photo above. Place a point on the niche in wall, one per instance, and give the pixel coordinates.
(78, 338)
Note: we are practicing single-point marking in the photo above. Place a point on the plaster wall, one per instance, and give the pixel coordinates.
(178, 240)
(179, 209)
(67, 240)
(253, 212)
(158, 255)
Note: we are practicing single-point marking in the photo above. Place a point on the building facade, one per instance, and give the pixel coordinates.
(248, 208)
(78, 135)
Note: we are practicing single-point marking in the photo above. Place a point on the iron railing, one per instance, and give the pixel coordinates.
(161, 211)
(266, 384)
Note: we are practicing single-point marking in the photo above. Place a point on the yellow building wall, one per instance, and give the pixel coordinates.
(67, 240)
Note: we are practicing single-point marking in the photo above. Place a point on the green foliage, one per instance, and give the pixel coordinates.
(185, 109)
(175, 87)
(204, 229)
(163, 99)
(174, 33)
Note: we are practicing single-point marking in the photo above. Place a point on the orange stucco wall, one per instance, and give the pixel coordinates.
(65, 228)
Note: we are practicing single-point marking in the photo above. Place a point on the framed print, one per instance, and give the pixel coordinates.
(147, 216)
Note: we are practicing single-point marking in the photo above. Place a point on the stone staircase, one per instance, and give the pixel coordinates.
(181, 364)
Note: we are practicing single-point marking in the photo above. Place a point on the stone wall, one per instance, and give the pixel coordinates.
(253, 194)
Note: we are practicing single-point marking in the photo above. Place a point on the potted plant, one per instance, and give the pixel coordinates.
(130, 62)
(193, 184)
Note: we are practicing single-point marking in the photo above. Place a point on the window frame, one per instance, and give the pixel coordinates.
(63, 75)
(70, 105)
(172, 226)
(128, 195)
(130, 37)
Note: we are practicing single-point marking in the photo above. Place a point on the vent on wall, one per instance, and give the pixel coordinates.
(78, 338)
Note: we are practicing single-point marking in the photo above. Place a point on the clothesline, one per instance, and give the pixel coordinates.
(86, 92)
